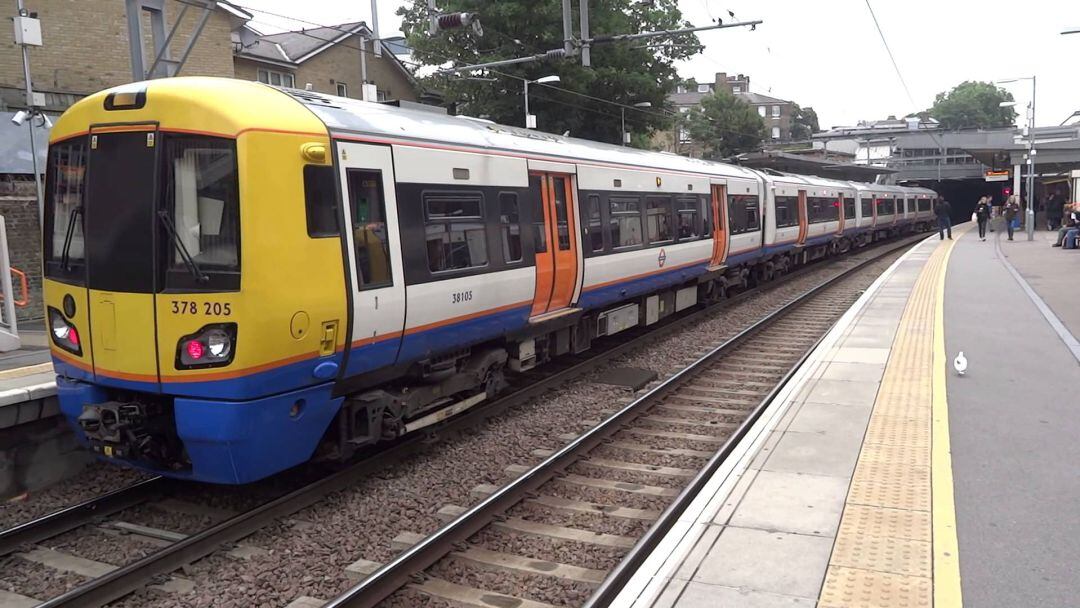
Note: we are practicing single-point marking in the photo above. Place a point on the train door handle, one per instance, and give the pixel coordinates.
(328, 338)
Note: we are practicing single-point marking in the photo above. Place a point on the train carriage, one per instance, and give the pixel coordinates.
(239, 276)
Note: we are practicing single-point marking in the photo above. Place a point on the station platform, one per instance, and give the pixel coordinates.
(886, 479)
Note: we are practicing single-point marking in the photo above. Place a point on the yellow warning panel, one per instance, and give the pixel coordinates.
(857, 588)
(866, 520)
(896, 555)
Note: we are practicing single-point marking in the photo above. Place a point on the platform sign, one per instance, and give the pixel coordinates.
(996, 176)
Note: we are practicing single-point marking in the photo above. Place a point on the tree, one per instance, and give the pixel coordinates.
(628, 73)
(973, 104)
(804, 123)
(725, 125)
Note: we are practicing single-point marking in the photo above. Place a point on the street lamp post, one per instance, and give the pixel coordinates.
(530, 120)
(625, 135)
(1029, 216)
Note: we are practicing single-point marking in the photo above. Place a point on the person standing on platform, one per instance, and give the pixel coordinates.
(1011, 209)
(942, 209)
(982, 215)
(1053, 211)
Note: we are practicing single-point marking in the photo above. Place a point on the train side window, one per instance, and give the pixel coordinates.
(625, 222)
(787, 211)
(743, 213)
(687, 220)
(849, 208)
(658, 219)
(595, 223)
(562, 221)
(370, 237)
(510, 226)
(320, 201)
(867, 207)
(539, 227)
(753, 215)
(454, 228)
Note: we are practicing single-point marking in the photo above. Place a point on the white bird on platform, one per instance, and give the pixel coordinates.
(960, 363)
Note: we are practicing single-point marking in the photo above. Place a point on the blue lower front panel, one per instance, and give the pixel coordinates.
(230, 442)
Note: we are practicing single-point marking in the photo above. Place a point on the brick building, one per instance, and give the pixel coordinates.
(86, 49)
(777, 114)
(329, 59)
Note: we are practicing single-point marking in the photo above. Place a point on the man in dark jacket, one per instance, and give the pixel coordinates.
(1011, 209)
(982, 214)
(1053, 211)
(942, 209)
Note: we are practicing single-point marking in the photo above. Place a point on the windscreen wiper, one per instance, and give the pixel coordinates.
(196, 272)
(65, 255)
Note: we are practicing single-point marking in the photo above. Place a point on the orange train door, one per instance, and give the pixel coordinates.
(804, 224)
(720, 231)
(842, 214)
(556, 242)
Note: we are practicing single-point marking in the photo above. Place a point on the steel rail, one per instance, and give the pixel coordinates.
(126, 579)
(84, 513)
(400, 571)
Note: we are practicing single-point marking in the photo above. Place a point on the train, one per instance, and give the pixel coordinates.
(241, 278)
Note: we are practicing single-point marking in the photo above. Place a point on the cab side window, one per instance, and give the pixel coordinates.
(370, 236)
(320, 201)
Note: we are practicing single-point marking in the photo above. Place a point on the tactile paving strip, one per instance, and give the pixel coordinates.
(866, 520)
(882, 557)
(857, 588)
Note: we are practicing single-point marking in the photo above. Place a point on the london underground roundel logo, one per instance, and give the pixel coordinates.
(662, 258)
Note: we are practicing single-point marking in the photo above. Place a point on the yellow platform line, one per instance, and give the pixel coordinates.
(896, 546)
(947, 592)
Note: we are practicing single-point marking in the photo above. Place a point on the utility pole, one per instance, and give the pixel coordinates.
(375, 44)
(28, 33)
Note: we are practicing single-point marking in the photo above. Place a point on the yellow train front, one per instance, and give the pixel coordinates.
(169, 249)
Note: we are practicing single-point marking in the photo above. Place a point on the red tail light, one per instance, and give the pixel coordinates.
(195, 349)
(73, 336)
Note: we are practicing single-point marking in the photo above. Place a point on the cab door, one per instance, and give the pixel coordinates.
(720, 227)
(555, 237)
(121, 229)
(376, 281)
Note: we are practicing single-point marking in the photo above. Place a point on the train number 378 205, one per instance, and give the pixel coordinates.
(187, 307)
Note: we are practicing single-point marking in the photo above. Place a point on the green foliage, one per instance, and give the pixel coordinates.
(973, 104)
(623, 72)
(725, 125)
(804, 123)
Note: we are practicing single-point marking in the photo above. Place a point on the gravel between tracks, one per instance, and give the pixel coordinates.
(360, 522)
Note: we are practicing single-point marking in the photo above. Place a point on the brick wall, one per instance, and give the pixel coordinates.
(342, 64)
(86, 46)
(18, 205)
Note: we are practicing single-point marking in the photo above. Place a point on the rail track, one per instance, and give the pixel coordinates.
(699, 411)
(573, 528)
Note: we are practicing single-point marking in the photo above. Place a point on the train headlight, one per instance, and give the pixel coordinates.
(63, 332)
(211, 346)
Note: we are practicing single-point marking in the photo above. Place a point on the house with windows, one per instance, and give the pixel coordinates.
(777, 114)
(336, 60)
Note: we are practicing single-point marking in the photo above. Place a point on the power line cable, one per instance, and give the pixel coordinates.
(889, 51)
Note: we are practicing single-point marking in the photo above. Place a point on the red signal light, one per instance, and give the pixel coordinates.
(195, 349)
(73, 336)
(1007, 191)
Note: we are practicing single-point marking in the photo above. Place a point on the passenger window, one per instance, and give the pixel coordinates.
(867, 207)
(595, 224)
(561, 220)
(787, 211)
(454, 226)
(687, 220)
(539, 227)
(510, 225)
(849, 208)
(625, 222)
(370, 237)
(743, 213)
(658, 217)
(320, 200)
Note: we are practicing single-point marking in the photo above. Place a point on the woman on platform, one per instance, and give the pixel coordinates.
(982, 215)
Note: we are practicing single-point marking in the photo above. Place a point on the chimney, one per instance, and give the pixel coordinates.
(721, 80)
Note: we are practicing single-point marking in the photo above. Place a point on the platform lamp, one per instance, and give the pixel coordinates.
(1029, 217)
(530, 119)
(625, 135)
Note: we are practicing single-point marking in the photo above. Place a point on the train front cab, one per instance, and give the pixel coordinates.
(185, 338)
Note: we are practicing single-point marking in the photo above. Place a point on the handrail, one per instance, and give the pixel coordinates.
(24, 286)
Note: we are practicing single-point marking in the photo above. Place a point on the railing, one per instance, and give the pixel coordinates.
(9, 327)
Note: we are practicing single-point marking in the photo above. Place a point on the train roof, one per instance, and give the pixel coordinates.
(390, 123)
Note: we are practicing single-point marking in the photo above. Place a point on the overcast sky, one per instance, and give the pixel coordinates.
(828, 55)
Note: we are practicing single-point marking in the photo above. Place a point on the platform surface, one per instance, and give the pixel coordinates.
(885, 479)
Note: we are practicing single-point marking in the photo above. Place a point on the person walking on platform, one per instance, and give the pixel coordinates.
(1011, 209)
(942, 209)
(982, 215)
